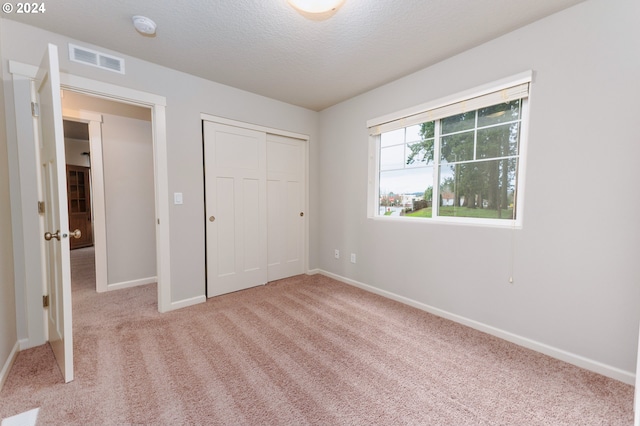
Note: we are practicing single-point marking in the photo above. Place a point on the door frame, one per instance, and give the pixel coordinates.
(279, 132)
(26, 221)
(94, 121)
(157, 104)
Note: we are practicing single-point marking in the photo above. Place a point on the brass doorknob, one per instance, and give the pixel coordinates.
(212, 218)
(301, 214)
(76, 234)
(48, 235)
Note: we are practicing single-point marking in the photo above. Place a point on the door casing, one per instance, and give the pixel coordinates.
(94, 121)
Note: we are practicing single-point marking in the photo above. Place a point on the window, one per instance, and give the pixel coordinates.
(459, 160)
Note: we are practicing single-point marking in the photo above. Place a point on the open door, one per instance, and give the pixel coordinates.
(56, 218)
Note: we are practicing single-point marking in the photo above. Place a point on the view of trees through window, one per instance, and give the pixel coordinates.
(471, 157)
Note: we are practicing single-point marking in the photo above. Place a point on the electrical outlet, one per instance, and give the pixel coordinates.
(353, 258)
(336, 254)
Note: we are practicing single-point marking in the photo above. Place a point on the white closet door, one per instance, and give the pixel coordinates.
(236, 197)
(285, 206)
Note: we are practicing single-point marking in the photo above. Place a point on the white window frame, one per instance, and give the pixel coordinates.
(424, 112)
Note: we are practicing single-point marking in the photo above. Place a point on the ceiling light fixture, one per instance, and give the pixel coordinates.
(144, 25)
(316, 6)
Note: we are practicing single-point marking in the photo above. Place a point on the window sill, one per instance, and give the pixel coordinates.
(460, 221)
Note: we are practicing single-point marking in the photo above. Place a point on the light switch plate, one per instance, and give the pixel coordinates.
(177, 198)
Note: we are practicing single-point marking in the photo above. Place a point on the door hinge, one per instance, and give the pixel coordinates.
(35, 109)
(41, 207)
(45, 301)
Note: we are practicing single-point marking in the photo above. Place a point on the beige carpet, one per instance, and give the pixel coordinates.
(305, 350)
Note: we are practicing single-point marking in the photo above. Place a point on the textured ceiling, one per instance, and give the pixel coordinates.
(266, 47)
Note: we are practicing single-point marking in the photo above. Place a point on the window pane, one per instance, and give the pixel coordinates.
(500, 113)
(499, 141)
(458, 123)
(413, 133)
(474, 173)
(392, 138)
(482, 189)
(458, 147)
(400, 189)
(392, 157)
(428, 129)
(419, 153)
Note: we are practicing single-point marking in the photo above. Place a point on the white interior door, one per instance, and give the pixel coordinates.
(285, 206)
(54, 187)
(236, 220)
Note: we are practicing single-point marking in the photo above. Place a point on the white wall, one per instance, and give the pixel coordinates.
(187, 97)
(576, 285)
(73, 149)
(128, 179)
(127, 152)
(8, 331)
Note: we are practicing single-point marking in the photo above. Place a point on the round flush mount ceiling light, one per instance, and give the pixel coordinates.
(316, 6)
(144, 25)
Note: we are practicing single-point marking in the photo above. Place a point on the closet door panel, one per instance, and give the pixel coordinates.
(286, 200)
(235, 192)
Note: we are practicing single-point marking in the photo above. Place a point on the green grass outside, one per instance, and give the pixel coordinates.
(462, 212)
(420, 213)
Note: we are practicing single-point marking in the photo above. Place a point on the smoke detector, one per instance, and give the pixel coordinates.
(144, 25)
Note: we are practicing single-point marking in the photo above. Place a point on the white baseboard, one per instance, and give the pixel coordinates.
(132, 283)
(27, 344)
(4, 373)
(188, 302)
(627, 377)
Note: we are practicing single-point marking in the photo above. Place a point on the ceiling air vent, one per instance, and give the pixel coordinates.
(96, 59)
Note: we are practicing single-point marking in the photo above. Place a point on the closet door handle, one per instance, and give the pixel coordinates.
(212, 218)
